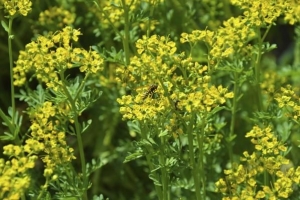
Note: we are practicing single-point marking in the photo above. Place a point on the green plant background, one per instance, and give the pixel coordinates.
(109, 140)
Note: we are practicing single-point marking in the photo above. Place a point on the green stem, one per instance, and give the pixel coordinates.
(149, 162)
(126, 37)
(257, 71)
(78, 134)
(12, 88)
(149, 19)
(200, 140)
(78, 92)
(257, 66)
(44, 188)
(233, 116)
(266, 178)
(81, 151)
(227, 10)
(297, 48)
(266, 33)
(165, 180)
(192, 157)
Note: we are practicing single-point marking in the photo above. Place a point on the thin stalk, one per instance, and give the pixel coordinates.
(165, 180)
(257, 79)
(78, 92)
(297, 48)
(266, 178)
(150, 164)
(12, 87)
(257, 71)
(200, 140)
(233, 116)
(266, 33)
(149, 19)
(78, 134)
(44, 188)
(81, 151)
(126, 37)
(257, 65)
(227, 10)
(192, 157)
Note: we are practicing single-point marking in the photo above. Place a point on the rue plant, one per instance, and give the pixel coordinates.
(150, 99)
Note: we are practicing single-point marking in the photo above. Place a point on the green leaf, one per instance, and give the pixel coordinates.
(171, 161)
(7, 136)
(134, 126)
(85, 126)
(4, 25)
(133, 156)
(12, 124)
(155, 181)
(163, 133)
(230, 139)
(69, 198)
(100, 197)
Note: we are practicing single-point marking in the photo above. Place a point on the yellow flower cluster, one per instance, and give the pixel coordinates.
(233, 38)
(112, 12)
(292, 12)
(14, 175)
(151, 63)
(264, 12)
(260, 12)
(271, 81)
(15, 7)
(230, 39)
(46, 140)
(288, 100)
(241, 181)
(45, 132)
(162, 89)
(57, 17)
(49, 56)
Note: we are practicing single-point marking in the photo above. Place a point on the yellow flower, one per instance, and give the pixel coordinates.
(15, 7)
(57, 16)
(50, 54)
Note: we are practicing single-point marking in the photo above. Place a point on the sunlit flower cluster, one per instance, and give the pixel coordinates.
(241, 181)
(14, 173)
(230, 39)
(156, 65)
(46, 140)
(261, 12)
(112, 12)
(265, 12)
(292, 12)
(271, 81)
(288, 100)
(57, 17)
(46, 135)
(49, 56)
(152, 64)
(15, 7)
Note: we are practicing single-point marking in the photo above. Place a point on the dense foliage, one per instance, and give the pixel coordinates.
(150, 99)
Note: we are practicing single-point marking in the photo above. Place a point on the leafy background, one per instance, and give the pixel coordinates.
(108, 140)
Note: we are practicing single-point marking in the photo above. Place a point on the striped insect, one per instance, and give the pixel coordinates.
(176, 104)
(150, 91)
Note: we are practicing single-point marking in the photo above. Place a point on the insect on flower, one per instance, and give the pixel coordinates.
(150, 91)
(176, 104)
